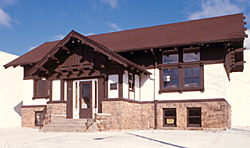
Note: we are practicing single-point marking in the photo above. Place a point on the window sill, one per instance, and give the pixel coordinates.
(181, 90)
(40, 97)
(168, 125)
(194, 125)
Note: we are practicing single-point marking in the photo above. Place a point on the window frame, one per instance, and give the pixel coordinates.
(36, 94)
(173, 51)
(188, 117)
(36, 119)
(131, 81)
(194, 50)
(181, 67)
(171, 117)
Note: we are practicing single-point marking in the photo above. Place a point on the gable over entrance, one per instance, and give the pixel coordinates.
(76, 54)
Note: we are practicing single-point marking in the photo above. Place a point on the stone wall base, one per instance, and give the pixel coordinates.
(28, 114)
(123, 114)
(51, 110)
(129, 114)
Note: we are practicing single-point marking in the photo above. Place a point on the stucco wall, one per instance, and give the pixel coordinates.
(56, 88)
(239, 90)
(28, 94)
(11, 83)
(215, 84)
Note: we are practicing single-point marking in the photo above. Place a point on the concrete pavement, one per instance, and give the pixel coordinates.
(31, 138)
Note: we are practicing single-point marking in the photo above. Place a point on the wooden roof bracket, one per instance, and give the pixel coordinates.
(153, 53)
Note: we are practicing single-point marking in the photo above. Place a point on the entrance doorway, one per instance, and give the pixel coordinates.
(84, 98)
(85, 102)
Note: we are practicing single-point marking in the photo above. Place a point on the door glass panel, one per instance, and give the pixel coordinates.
(85, 97)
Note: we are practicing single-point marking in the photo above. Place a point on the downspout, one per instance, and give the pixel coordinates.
(155, 101)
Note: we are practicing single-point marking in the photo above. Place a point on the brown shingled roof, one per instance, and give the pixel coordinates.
(216, 29)
(210, 30)
(34, 55)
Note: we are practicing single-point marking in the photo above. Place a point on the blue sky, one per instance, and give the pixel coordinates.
(25, 24)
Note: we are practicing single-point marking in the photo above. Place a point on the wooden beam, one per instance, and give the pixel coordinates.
(53, 57)
(240, 49)
(240, 63)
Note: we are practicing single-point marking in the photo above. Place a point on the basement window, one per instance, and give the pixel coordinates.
(41, 89)
(169, 117)
(39, 117)
(194, 117)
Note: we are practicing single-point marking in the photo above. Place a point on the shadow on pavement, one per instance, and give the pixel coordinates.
(162, 142)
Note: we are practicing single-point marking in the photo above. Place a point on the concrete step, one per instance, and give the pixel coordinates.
(69, 125)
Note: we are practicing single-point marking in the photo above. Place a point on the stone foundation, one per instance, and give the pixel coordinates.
(28, 114)
(130, 114)
(56, 109)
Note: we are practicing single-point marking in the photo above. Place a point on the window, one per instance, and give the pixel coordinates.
(113, 86)
(181, 70)
(182, 78)
(171, 56)
(39, 117)
(41, 89)
(192, 77)
(169, 117)
(171, 78)
(181, 55)
(194, 117)
(131, 81)
(191, 55)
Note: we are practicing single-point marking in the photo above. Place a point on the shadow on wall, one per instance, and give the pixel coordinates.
(17, 108)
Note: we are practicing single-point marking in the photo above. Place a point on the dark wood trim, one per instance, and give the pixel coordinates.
(180, 45)
(120, 85)
(32, 106)
(101, 93)
(37, 97)
(193, 100)
(69, 111)
(168, 101)
(181, 67)
(113, 56)
(106, 87)
(62, 90)
(50, 90)
(57, 101)
(155, 113)
(95, 94)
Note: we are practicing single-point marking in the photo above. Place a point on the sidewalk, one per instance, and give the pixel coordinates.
(31, 138)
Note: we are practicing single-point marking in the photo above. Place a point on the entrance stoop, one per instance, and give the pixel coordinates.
(70, 125)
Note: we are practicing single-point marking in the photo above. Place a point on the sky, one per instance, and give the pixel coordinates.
(25, 24)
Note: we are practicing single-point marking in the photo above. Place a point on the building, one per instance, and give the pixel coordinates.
(174, 76)
(10, 103)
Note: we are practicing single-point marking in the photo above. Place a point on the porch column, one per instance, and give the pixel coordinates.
(120, 86)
